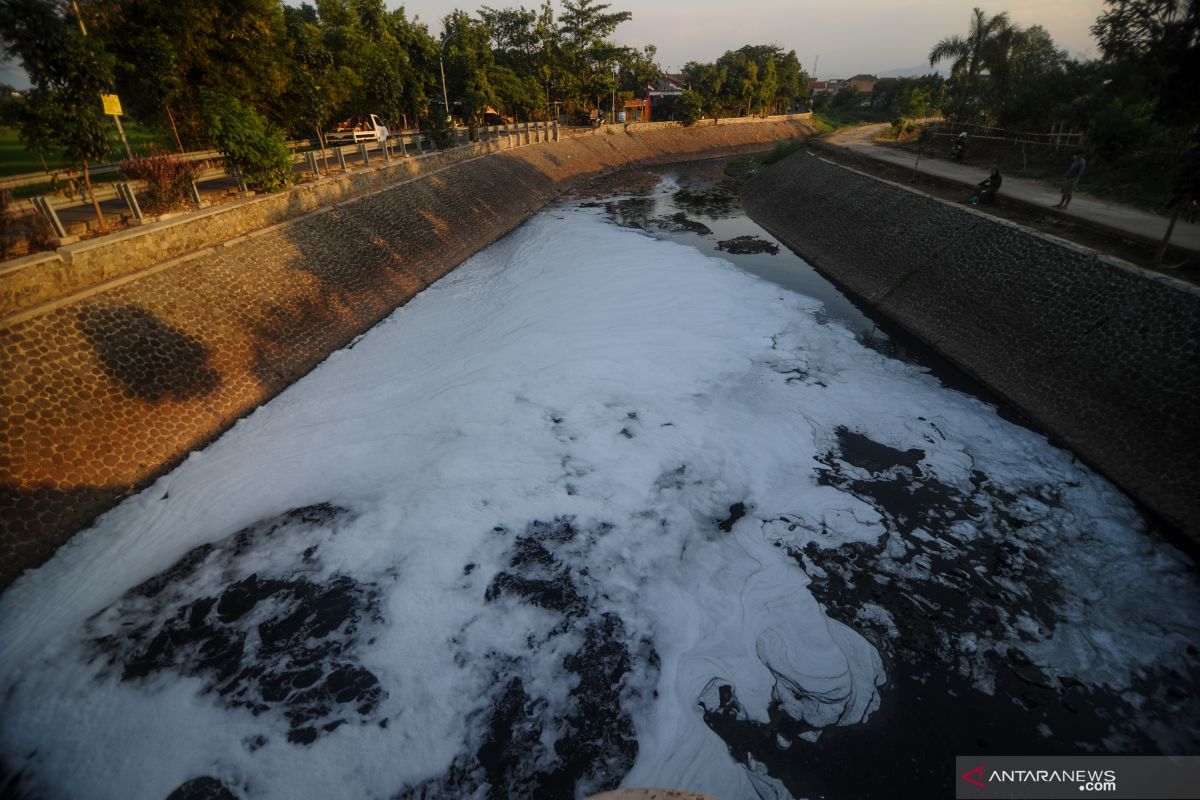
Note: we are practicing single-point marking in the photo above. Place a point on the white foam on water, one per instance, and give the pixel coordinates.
(573, 369)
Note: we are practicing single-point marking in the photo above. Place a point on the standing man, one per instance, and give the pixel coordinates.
(1071, 178)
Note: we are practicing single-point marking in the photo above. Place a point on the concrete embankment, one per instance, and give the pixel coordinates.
(1098, 353)
(121, 356)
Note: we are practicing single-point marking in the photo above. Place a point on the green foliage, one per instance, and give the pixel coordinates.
(983, 48)
(913, 103)
(691, 108)
(168, 180)
(468, 62)
(846, 97)
(1157, 43)
(755, 79)
(438, 128)
(1119, 128)
(169, 52)
(707, 84)
(637, 69)
(783, 148)
(61, 113)
(588, 57)
(248, 142)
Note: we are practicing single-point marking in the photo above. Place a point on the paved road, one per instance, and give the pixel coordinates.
(1083, 207)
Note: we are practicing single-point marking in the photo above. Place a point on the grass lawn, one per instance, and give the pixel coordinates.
(16, 160)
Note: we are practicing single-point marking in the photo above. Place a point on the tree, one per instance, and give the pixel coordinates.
(171, 51)
(247, 141)
(318, 87)
(1027, 87)
(970, 54)
(707, 87)
(468, 60)
(68, 71)
(588, 57)
(1159, 40)
(793, 82)
(1185, 190)
(516, 97)
(691, 108)
(637, 69)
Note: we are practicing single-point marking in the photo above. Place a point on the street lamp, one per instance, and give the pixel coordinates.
(614, 97)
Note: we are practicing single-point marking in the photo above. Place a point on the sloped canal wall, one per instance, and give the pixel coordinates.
(1101, 354)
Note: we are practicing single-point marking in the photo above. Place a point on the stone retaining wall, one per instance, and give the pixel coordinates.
(1099, 353)
(146, 360)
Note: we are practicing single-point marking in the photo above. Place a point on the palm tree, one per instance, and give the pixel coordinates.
(970, 54)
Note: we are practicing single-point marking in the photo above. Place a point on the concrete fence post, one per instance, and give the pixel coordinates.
(125, 192)
(311, 157)
(237, 176)
(556, 129)
(196, 195)
(366, 156)
(527, 139)
(341, 157)
(418, 140)
(44, 206)
(403, 149)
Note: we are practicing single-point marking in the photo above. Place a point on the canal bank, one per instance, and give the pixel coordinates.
(1101, 354)
(122, 355)
(633, 517)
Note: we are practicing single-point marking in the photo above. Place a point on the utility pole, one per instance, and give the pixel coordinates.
(614, 98)
(116, 117)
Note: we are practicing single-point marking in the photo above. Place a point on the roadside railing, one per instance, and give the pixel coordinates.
(318, 161)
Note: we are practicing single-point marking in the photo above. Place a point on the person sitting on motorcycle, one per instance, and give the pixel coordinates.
(959, 148)
(986, 193)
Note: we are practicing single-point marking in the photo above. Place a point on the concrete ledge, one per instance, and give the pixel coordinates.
(104, 258)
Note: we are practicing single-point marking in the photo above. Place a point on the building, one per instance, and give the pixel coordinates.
(663, 96)
(864, 83)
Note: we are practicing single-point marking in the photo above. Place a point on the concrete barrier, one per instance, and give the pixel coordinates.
(1097, 352)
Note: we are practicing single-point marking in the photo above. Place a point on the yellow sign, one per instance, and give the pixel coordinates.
(112, 104)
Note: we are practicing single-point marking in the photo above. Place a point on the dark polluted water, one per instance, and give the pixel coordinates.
(939, 607)
(603, 507)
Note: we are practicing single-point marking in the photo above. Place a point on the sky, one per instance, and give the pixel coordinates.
(871, 36)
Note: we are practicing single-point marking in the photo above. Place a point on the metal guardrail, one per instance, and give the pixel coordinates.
(406, 143)
(401, 144)
(410, 137)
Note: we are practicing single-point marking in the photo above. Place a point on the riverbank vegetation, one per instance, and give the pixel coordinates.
(1026, 104)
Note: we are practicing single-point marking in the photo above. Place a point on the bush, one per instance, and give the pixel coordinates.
(1117, 129)
(691, 107)
(438, 128)
(783, 148)
(248, 142)
(168, 180)
(7, 221)
(29, 234)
